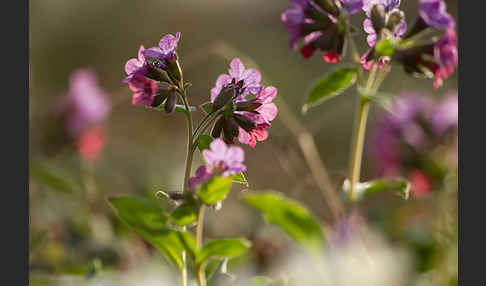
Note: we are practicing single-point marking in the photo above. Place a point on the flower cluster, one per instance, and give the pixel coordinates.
(155, 75)
(86, 106)
(417, 138)
(221, 160)
(246, 107)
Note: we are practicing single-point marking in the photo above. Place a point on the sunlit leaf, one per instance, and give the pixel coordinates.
(215, 190)
(399, 186)
(385, 48)
(330, 86)
(292, 217)
(184, 214)
(148, 220)
(223, 248)
(203, 142)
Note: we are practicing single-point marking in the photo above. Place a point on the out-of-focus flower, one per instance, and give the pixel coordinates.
(144, 90)
(246, 107)
(237, 72)
(387, 5)
(320, 25)
(220, 160)
(137, 66)
(417, 139)
(434, 14)
(86, 104)
(91, 143)
(445, 53)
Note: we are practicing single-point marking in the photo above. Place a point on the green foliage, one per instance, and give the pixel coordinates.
(399, 186)
(48, 178)
(185, 214)
(330, 86)
(148, 220)
(203, 142)
(385, 48)
(241, 179)
(292, 217)
(222, 248)
(215, 189)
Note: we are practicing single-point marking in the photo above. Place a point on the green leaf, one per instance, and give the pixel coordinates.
(189, 243)
(399, 186)
(223, 248)
(185, 214)
(215, 190)
(206, 107)
(148, 220)
(385, 48)
(203, 142)
(241, 179)
(330, 86)
(47, 177)
(178, 108)
(293, 218)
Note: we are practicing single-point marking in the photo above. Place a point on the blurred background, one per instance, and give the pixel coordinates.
(74, 235)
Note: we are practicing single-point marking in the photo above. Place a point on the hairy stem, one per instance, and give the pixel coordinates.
(201, 275)
(190, 153)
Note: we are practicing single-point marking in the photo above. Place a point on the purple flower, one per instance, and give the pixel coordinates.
(352, 6)
(371, 38)
(412, 129)
(166, 48)
(86, 103)
(388, 5)
(434, 14)
(445, 53)
(317, 24)
(135, 67)
(221, 160)
(237, 72)
(144, 90)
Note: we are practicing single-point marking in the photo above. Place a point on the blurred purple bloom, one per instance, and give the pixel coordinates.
(415, 120)
(144, 90)
(388, 5)
(251, 79)
(352, 6)
(86, 103)
(434, 13)
(221, 160)
(135, 67)
(166, 48)
(292, 20)
(445, 53)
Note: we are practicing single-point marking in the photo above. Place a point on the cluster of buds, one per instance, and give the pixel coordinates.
(155, 76)
(322, 24)
(244, 107)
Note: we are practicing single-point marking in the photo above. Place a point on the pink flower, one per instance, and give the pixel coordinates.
(143, 89)
(86, 103)
(221, 160)
(135, 67)
(251, 79)
(267, 112)
(90, 143)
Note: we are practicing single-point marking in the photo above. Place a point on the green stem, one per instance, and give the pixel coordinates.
(189, 156)
(201, 275)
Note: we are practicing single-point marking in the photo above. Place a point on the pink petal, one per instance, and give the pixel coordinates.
(236, 68)
(141, 58)
(267, 94)
(268, 111)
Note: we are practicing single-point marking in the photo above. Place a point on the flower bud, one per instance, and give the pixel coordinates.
(230, 129)
(246, 123)
(249, 106)
(174, 69)
(170, 103)
(156, 72)
(329, 6)
(225, 95)
(217, 128)
(395, 19)
(378, 18)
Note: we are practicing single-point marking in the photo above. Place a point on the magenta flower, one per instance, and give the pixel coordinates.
(135, 67)
(251, 79)
(220, 160)
(86, 104)
(352, 6)
(319, 25)
(144, 90)
(445, 53)
(166, 48)
(265, 113)
(417, 139)
(434, 14)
